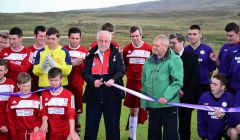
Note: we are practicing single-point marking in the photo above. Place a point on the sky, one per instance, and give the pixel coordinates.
(20, 6)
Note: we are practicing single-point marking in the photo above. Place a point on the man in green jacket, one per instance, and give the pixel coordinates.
(162, 78)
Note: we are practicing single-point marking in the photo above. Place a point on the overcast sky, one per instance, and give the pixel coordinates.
(19, 6)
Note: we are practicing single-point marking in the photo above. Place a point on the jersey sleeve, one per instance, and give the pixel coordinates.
(67, 66)
(71, 108)
(11, 120)
(37, 70)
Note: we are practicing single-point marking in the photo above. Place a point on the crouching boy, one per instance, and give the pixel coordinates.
(212, 124)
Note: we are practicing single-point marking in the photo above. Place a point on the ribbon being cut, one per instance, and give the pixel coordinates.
(21, 94)
(194, 106)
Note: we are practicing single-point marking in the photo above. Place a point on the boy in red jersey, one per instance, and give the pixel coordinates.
(57, 109)
(16, 54)
(23, 111)
(6, 85)
(77, 53)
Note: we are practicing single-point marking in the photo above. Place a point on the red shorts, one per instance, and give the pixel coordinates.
(77, 92)
(132, 101)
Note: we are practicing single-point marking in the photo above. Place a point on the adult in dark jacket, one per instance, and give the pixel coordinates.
(190, 82)
(103, 67)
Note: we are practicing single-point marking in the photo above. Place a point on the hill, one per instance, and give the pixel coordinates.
(175, 5)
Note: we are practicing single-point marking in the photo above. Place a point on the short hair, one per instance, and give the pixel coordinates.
(3, 62)
(164, 38)
(16, 31)
(232, 27)
(195, 27)
(74, 30)
(4, 34)
(39, 29)
(23, 78)
(222, 78)
(108, 27)
(102, 31)
(135, 28)
(55, 72)
(178, 36)
(53, 30)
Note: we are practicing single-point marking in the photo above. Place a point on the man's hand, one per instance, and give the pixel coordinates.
(36, 129)
(77, 61)
(181, 93)
(109, 83)
(44, 126)
(213, 57)
(162, 100)
(3, 129)
(98, 83)
(73, 136)
(218, 113)
(238, 128)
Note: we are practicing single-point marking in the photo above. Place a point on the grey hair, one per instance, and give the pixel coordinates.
(164, 38)
(102, 31)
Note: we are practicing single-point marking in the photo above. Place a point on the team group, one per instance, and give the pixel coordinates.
(167, 70)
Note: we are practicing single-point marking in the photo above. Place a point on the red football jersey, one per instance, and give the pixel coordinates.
(134, 59)
(23, 114)
(75, 78)
(35, 78)
(34, 51)
(59, 109)
(17, 61)
(8, 85)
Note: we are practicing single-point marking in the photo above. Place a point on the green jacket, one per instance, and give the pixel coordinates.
(162, 78)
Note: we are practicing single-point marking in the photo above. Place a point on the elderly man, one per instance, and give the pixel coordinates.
(162, 78)
(103, 67)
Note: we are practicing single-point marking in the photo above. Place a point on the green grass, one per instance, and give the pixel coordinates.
(153, 23)
(141, 130)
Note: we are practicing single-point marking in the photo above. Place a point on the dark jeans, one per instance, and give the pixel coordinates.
(185, 116)
(166, 118)
(111, 114)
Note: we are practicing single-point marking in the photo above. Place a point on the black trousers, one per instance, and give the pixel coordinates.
(111, 114)
(166, 118)
(185, 116)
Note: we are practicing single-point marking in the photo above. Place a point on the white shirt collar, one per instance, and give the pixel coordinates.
(100, 55)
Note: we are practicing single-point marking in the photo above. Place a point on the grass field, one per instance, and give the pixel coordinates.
(153, 23)
(141, 130)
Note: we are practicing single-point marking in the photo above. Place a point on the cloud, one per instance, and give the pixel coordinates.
(18, 6)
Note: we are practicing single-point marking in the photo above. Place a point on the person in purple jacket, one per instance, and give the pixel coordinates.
(232, 37)
(212, 124)
(207, 66)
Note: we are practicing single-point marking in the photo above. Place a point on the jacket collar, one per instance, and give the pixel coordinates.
(154, 57)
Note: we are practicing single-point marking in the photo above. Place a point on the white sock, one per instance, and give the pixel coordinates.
(133, 121)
